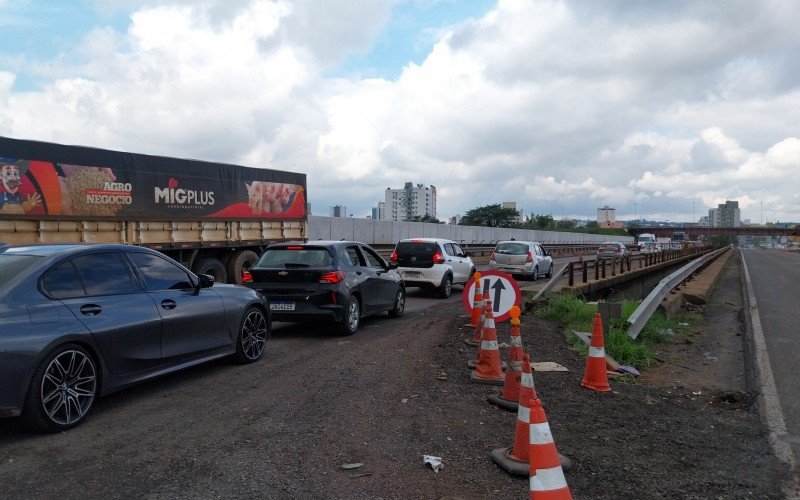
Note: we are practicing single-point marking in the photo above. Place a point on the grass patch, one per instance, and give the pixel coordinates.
(573, 313)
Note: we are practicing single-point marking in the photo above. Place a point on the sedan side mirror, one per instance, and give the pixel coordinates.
(467, 254)
(205, 281)
(393, 265)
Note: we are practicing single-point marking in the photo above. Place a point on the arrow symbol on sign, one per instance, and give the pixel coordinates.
(498, 287)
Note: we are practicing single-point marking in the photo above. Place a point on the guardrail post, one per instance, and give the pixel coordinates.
(603, 261)
(584, 270)
(622, 265)
(596, 271)
(613, 266)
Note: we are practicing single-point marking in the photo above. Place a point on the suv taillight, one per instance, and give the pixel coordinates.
(332, 278)
(393, 257)
(438, 258)
(247, 277)
(530, 258)
(491, 257)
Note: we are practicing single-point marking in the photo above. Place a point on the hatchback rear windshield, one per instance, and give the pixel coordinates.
(419, 249)
(299, 257)
(12, 266)
(512, 249)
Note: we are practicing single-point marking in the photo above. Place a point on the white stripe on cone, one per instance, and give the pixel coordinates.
(548, 479)
(489, 322)
(540, 434)
(597, 352)
(523, 414)
(516, 341)
(516, 366)
(489, 345)
(526, 380)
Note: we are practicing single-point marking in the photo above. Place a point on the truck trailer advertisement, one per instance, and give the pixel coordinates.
(44, 180)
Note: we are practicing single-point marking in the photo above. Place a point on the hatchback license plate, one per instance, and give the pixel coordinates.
(411, 274)
(281, 306)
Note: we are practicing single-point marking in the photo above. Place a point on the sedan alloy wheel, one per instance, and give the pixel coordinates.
(68, 387)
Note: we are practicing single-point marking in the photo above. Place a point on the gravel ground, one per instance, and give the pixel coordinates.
(396, 390)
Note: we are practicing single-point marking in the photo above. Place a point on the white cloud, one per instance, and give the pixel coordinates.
(549, 103)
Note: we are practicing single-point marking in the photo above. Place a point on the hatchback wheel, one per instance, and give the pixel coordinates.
(352, 316)
(535, 275)
(399, 304)
(446, 287)
(62, 390)
(549, 272)
(253, 335)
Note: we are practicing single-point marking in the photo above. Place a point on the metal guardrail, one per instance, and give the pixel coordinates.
(649, 305)
(600, 268)
(550, 284)
(483, 250)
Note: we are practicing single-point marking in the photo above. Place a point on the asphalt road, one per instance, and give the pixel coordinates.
(776, 281)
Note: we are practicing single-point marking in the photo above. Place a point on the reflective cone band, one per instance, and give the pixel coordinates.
(595, 377)
(477, 299)
(489, 367)
(478, 333)
(515, 353)
(527, 392)
(547, 478)
(487, 313)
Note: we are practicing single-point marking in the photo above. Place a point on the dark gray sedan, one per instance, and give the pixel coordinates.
(81, 321)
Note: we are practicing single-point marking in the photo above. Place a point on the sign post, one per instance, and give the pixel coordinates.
(503, 291)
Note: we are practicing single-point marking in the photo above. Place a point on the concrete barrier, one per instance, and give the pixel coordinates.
(382, 232)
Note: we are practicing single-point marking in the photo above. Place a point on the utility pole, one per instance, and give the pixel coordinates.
(761, 217)
(634, 212)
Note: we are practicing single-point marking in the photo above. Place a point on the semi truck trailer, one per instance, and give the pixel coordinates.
(215, 218)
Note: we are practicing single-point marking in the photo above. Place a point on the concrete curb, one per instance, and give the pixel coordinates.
(769, 402)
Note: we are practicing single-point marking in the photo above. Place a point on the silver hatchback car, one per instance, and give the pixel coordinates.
(523, 258)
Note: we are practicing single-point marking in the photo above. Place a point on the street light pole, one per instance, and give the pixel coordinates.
(761, 217)
(634, 212)
(693, 218)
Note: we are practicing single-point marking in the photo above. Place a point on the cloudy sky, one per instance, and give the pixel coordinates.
(662, 108)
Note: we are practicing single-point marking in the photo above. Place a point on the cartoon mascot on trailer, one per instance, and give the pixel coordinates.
(11, 200)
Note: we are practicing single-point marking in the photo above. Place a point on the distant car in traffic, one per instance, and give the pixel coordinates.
(81, 321)
(612, 249)
(433, 263)
(522, 258)
(648, 243)
(337, 281)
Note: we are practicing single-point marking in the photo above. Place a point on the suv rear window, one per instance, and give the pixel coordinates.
(12, 266)
(416, 253)
(296, 257)
(512, 249)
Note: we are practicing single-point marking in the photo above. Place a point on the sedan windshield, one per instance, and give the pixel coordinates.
(12, 266)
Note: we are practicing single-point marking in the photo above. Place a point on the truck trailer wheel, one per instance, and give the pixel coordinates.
(212, 267)
(240, 261)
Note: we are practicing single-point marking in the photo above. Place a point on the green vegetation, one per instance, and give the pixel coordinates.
(574, 314)
(497, 216)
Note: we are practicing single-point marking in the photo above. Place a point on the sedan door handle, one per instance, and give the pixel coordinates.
(91, 310)
(168, 304)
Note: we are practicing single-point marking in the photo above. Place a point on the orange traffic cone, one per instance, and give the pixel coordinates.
(487, 312)
(477, 299)
(509, 398)
(488, 370)
(595, 376)
(547, 476)
(478, 332)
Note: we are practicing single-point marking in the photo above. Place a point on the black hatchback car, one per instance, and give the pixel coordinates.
(80, 321)
(339, 281)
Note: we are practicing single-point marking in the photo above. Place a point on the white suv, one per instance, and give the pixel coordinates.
(433, 263)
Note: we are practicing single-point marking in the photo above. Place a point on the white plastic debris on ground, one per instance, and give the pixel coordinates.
(435, 463)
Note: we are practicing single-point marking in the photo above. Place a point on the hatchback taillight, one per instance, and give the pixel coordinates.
(332, 278)
(247, 277)
(491, 257)
(530, 258)
(437, 258)
(393, 257)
